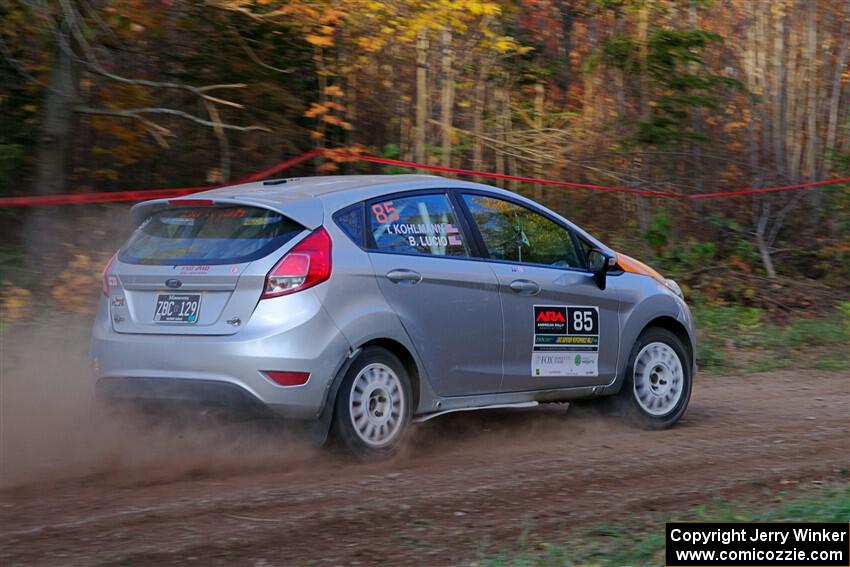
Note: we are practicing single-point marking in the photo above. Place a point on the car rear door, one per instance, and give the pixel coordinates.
(196, 268)
(447, 302)
(560, 329)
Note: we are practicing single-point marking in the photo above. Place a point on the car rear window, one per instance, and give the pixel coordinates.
(208, 235)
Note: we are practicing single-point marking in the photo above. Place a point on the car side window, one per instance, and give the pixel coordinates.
(350, 220)
(515, 233)
(416, 224)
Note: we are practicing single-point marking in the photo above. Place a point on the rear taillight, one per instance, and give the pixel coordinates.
(105, 277)
(306, 265)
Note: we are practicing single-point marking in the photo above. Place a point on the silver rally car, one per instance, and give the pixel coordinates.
(360, 303)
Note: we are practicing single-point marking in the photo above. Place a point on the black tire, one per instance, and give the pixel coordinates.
(628, 399)
(356, 440)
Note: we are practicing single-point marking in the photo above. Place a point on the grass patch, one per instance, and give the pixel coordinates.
(741, 339)
(833, 360)
(640, 541)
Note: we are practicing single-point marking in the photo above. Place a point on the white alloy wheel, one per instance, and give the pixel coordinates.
(377, 404)
(658, 379)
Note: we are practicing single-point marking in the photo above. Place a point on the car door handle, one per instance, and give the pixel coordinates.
(408, 277)
(526, 287)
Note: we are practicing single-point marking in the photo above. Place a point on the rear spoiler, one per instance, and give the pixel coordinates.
(308, 212)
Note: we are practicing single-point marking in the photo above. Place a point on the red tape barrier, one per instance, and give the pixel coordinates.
(649, 193)
(142, 195)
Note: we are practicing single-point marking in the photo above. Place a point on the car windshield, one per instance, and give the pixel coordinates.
(208, 235)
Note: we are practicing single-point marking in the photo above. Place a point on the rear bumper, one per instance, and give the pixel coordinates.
(227, 370)
(181, 394)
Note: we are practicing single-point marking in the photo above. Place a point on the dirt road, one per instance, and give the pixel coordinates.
(467, 484)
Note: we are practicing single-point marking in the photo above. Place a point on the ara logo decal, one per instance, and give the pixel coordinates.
(551, 317)
(550, 320)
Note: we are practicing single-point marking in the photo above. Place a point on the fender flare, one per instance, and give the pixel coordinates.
(660, 306)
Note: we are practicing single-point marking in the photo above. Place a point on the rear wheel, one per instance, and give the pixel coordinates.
(373, 406)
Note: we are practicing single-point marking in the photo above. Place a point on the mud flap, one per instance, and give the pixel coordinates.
(318, 431)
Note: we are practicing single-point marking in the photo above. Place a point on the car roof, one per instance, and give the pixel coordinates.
(287, 190)
(306, 199)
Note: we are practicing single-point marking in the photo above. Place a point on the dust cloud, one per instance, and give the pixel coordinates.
(50, 428)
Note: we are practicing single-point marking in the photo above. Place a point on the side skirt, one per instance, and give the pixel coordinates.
(428, 416)
(440, 406)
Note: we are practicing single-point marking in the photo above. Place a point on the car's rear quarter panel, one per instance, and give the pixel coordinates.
(354, 301)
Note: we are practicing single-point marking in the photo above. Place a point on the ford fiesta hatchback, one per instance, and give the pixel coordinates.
(360, 303)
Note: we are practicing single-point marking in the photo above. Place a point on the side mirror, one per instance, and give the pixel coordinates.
(599, 262)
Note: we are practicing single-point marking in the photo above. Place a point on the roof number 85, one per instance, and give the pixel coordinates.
(385, 212)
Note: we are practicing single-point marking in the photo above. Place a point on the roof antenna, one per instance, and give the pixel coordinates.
(275, 181)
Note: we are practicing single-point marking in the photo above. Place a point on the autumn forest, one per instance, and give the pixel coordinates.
(680, 96)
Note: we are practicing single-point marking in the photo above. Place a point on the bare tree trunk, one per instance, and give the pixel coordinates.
(507, 120)
(60, 97)
(780, 31)
(566, 46)
(539, 109)
(447, 99)
(645, 110)
(835, 96)
(764, 250)
(696, 114)
(321, 125)
(478, 106)
(762, 59)
(643, 54)
(812, 102)
(619, 90)
(755, 84)
(421, 96)
(751, 73)
(794, 112)
(351, 108)
(499, 105)
(223, 174)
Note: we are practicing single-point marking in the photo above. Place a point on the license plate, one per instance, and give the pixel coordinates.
(177, 308)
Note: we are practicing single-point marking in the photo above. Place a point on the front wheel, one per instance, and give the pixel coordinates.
(658, 384)
(373, 406)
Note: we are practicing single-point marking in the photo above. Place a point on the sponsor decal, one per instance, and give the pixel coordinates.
(194, 269)
(260, 221)
(566, 341)
(210, 213)
(550, 320)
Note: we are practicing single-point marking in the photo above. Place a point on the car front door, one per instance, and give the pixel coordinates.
(447, 302)
(560, 329)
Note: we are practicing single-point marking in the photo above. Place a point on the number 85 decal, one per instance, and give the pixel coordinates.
(385, 212)
(583, 320)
